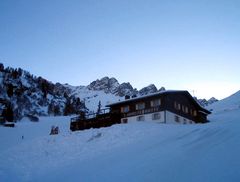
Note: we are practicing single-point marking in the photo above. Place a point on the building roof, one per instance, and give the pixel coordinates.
(158, 94)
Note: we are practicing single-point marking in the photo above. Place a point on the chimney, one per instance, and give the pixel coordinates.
(127, 97)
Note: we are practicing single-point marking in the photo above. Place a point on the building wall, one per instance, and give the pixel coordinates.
(170, 118)
(132, 104)
(188, 108)
(186, 101)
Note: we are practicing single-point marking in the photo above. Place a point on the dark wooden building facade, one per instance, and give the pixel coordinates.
(162, 107)
(165, 107)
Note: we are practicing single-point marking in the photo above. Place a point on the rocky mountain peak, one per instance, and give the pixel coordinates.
(205, 102)
(111, 85)
(212, 100)
(148, 90)
(162, 89)
(126, 89)
(108, 85)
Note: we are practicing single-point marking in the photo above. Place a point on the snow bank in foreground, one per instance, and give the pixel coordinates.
(141, 151)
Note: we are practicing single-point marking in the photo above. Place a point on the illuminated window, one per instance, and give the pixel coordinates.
(186, 110)
(194, 113)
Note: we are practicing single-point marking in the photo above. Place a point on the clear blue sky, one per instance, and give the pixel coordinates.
(191, 44)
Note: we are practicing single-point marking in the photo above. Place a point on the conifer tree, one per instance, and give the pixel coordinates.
(99, 107)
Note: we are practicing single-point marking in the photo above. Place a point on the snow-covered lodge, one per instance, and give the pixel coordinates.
(162, 107)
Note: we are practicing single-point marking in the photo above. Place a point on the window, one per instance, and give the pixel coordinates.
(175, 105)
(124, 109)
(140, 118)
(140, 106)
(179, 106)
(176, 118)
(183, 108)
(194, 113)
(156, 116)
(186, 110)
(155, 103)
(124, 120)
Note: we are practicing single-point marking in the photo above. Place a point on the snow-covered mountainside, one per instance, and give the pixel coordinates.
(230, 103)
(107, 90)
(91, 98)
(138, 151)
(22, 94)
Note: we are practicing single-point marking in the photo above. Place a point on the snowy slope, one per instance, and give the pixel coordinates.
(92, 97)
(230, 103)
(140, 151)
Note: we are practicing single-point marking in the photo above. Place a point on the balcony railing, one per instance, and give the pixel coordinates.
(90, 115)
(143, 111)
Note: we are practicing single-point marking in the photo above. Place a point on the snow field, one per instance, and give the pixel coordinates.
(138, 151)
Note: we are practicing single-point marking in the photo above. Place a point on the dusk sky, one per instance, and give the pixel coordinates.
(178, 44)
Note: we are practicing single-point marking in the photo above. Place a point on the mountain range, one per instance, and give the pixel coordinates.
(25, 95)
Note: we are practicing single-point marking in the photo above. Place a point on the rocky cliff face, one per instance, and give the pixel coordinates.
(111, 85)
(148, 90)
(108, 85)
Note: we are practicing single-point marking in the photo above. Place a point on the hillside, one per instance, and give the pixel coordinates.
(25, 95)
(228, 104)
(138, 151)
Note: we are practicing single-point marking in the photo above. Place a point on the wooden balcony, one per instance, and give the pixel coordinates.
(95, 120)
(143, 111)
